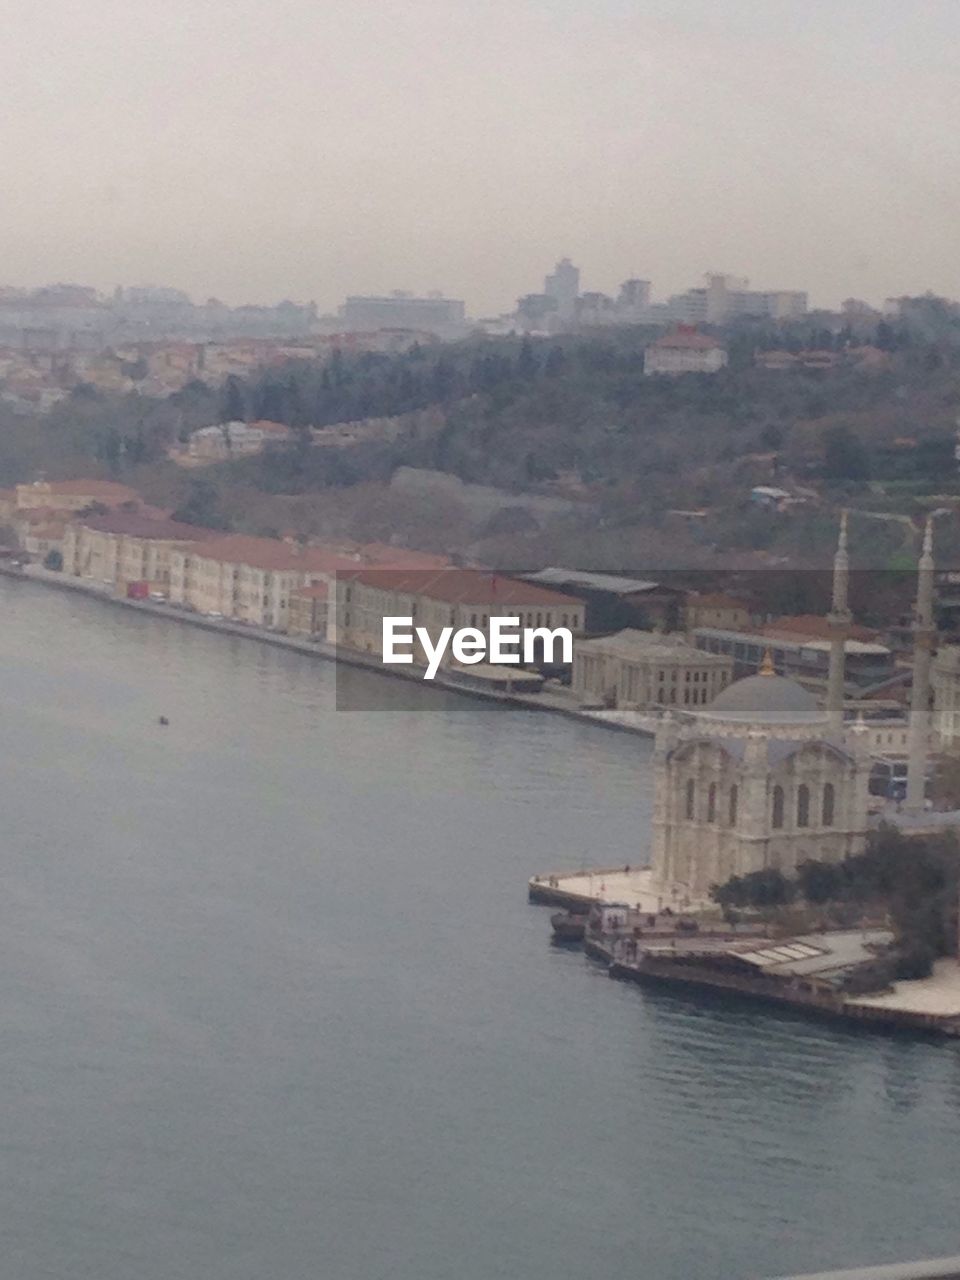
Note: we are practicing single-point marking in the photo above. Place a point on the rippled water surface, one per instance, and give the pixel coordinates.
(275, 1006)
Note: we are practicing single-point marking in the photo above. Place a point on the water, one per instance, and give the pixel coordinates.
(275, 1007)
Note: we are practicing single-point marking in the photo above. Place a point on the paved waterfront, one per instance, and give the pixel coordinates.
(275, 1004)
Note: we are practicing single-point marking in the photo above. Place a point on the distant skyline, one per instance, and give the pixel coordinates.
(254, 152)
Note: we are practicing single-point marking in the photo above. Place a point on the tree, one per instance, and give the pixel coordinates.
(202, 507)
(819, 882)
(234, 401)
(844, 455)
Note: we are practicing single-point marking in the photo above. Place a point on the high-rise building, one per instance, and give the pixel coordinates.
(435, 314)
(563, 285)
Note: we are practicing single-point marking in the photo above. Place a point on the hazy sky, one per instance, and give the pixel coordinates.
(259, 149)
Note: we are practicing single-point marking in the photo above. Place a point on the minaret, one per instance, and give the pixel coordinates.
(924, 634)
(839, 619)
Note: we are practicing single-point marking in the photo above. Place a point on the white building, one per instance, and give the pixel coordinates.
(754, 780)
(435, 314)
(684, 351)
(643, 670)
(563, 286)
(226, 440)
(946, 695)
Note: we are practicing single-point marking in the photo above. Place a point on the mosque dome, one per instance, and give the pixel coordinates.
(766, 699)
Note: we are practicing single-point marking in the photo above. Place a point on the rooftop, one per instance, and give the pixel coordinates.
(461, 586)
(653, 645)
(273, 554)
(135, 524)
(687, 340)
(106, 491)
(609, 582)
(765, 698)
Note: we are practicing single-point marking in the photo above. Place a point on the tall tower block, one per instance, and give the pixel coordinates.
(839, 619)
(924, 635)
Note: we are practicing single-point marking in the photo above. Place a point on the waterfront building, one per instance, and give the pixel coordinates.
(644, 670)
(435, 599)
(765, 777)
(756, 779)
(685, 350)
(39, 530)
(249, 579)
(307, 614)
(121, 547)
(613, 601)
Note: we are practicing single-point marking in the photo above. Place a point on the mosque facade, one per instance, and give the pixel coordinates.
(765, 777)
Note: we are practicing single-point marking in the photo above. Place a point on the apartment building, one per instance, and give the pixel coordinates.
(121, 547)
(435, 599)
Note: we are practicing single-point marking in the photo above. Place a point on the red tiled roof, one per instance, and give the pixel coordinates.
(137, 524)
(687, 341)
(715, 600)
(272, 554)
(813, 627)
(461, 586)
(382, 555)
(98, 490)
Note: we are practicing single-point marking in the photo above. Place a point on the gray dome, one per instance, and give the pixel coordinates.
(766, 699)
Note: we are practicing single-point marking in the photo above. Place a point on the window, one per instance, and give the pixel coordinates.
(690, 797)
(829, 798)
(803, 805)
(712, 803)
(777, 820)
(732, 809)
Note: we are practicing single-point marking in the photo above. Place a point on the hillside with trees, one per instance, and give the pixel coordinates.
(572, 418)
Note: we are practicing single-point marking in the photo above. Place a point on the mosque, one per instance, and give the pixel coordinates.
(765, 777)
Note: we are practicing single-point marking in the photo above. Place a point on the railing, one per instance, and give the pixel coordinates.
(934, 1269)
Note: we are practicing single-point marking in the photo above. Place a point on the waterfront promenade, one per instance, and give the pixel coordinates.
(557, 701)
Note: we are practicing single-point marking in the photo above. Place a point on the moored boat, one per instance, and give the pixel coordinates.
(568, 926)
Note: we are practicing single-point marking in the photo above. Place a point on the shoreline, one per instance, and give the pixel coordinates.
(554, 703)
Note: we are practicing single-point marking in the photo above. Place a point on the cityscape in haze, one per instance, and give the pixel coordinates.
(480, 640)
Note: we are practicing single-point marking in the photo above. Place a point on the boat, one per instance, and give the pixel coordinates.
(568, 926)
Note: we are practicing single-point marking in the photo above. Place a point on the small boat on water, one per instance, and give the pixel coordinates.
(568, 926)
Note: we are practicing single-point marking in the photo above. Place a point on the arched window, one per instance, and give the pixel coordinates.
(777, 807)
(690, 797)
(712, 803)
(733, 806)
(829, 799)
(803, 805)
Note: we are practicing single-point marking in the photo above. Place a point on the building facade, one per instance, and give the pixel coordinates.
(755, 781)
(946, 695)
(642, 670)
(684, 351)
(74, 495)
(119, 548)
(435, 599)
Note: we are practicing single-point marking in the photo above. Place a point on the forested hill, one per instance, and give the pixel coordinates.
(572, 417)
